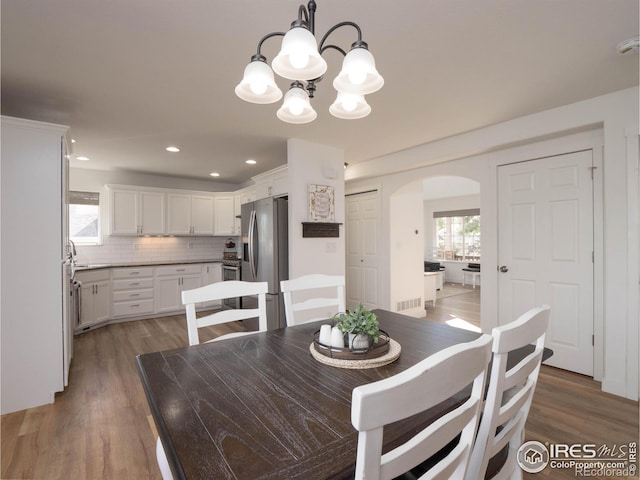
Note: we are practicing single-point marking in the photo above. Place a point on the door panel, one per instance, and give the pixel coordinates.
(362, 250)
(545, 213)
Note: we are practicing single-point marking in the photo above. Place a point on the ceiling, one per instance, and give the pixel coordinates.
(132, 78)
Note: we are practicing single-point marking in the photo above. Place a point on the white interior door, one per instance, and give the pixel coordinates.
(362, 250)
(545, 251)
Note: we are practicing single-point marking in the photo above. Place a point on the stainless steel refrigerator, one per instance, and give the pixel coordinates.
(265, 254)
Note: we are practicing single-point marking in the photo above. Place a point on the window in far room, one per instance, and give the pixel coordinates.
(457, 235)
(84, 217)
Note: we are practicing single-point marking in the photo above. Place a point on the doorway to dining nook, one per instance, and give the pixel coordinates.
(452, 241)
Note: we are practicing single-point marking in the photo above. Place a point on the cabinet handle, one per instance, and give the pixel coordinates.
(134, 273)
(180, 269)
(135, 306)
(134, 283)
(134, 295)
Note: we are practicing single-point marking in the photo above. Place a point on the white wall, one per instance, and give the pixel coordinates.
(406, 236)
(616, 116)
(310, 163)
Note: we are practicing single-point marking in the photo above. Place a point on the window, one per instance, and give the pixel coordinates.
(84, 217)
(457, 235)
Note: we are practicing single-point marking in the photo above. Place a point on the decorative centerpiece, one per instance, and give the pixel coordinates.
(355, 335)
(361, 326)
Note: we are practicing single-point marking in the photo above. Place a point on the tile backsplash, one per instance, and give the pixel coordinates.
(116, 250)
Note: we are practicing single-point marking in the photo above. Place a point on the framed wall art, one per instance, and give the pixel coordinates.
(321, 203)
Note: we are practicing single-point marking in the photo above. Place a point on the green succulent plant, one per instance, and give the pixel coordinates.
(360, 320)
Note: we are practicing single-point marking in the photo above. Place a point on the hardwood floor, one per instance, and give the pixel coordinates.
(100, 426)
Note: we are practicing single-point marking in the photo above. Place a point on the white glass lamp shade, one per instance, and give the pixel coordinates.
(358, 74)
(299, 58)
(350, 106)
(296, 107)
(257, 84)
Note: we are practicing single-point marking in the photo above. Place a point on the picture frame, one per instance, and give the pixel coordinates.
(321, 203)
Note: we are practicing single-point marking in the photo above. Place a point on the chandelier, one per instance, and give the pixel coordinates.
(300, 59)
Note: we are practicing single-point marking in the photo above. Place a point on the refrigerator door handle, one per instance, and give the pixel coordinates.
(252, 256)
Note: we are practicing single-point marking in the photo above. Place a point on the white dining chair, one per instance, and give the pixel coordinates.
(221, 291)
(510, 394)
(208, 293)
(307, 284)
(415, 390)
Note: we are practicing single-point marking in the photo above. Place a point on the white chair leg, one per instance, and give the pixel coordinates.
(163, 463)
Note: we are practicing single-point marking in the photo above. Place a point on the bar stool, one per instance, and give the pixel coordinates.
(474, 270)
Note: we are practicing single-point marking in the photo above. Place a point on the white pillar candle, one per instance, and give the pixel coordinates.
(337, 338)
(325, 335)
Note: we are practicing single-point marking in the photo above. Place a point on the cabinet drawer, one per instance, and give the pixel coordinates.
(132, 272)
(132, 308)
(132, 284)
(132, 295)
(178, 269)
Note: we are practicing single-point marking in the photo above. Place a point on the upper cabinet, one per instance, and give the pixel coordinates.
(161, 211)
(273, 183)
(190, 214)
(241, 197)
(224, 216)
(136, 213)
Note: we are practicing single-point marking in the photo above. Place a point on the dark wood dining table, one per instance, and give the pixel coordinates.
(261, 407)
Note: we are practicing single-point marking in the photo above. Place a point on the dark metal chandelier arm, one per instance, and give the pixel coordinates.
(338, 25)
(335, 47)
(258, 55)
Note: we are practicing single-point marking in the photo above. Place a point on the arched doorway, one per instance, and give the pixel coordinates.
(412, 237)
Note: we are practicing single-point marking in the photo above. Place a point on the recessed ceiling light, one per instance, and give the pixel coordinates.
(84, 159)
(251, 161)
(172, 149)
(73, 140)
(214, 174)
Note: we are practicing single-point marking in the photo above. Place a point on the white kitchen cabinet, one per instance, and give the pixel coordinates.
(241, 197)
(132, 291)
(95, 297)
(211, 273)
(137, 212)
(273, 183)
(35, 353)
(171, 281)
(430, 286)
(190, 214)
(224, 216)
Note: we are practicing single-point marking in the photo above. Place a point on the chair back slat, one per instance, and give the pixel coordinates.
(304, 287)
(510, 393)
(413, 391)
(222, 291)
(518, 374)
(226, 316)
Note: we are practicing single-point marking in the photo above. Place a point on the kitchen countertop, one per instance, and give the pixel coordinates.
(96, 266)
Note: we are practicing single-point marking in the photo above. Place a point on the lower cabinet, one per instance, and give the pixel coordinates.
(171, 281)
(95, 297)
(211, 273)
(140, 292)
(132, 291)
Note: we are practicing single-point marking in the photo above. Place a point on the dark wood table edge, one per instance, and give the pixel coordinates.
(163, 434)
